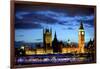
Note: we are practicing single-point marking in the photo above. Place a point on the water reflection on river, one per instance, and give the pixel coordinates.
(44, 59)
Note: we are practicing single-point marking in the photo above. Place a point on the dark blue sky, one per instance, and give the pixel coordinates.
(65, 20)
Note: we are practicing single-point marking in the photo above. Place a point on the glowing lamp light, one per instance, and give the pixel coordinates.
(20, 53)
(20, 60)
(22, 47)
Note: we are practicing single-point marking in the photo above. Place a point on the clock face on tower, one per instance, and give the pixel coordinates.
(82, 33)
(79, 33)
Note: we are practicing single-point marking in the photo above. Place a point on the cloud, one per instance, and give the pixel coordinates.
(33, 17)
(27, 26)
(63, 18)
(38, 39)
(19, 15)
(19, 35)
(49, 13)
(70, 28)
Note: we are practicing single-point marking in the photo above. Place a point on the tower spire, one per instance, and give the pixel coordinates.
(55, 33)
(81, 25)
(51, 30)
(43, 30)
(81, 38)
(55, 36)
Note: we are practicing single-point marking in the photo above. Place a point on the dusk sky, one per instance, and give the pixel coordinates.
(30, 21)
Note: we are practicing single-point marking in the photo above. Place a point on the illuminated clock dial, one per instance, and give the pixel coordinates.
(82, 33)
(79, 33)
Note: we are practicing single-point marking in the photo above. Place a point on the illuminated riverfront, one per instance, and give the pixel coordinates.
(56, 51)
(50, 35)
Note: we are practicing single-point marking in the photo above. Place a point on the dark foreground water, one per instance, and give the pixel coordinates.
(54, 58)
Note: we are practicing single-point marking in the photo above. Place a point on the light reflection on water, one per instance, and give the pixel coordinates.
(51, 59)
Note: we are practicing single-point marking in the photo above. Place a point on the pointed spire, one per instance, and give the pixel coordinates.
(51, 30)
(55, 36)
(81, 25)
(90, 39)
(68, 39)
(43, 30)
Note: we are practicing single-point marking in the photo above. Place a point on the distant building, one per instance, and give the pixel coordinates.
(54, 46)
(81, 38)
(81, 43)
(90, 47)
(47, 37)
(47, 40)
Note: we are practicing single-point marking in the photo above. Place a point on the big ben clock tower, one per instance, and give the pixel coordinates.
(81, 36)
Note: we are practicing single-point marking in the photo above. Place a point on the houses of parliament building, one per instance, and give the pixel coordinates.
(58, 47)
(54, 46)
